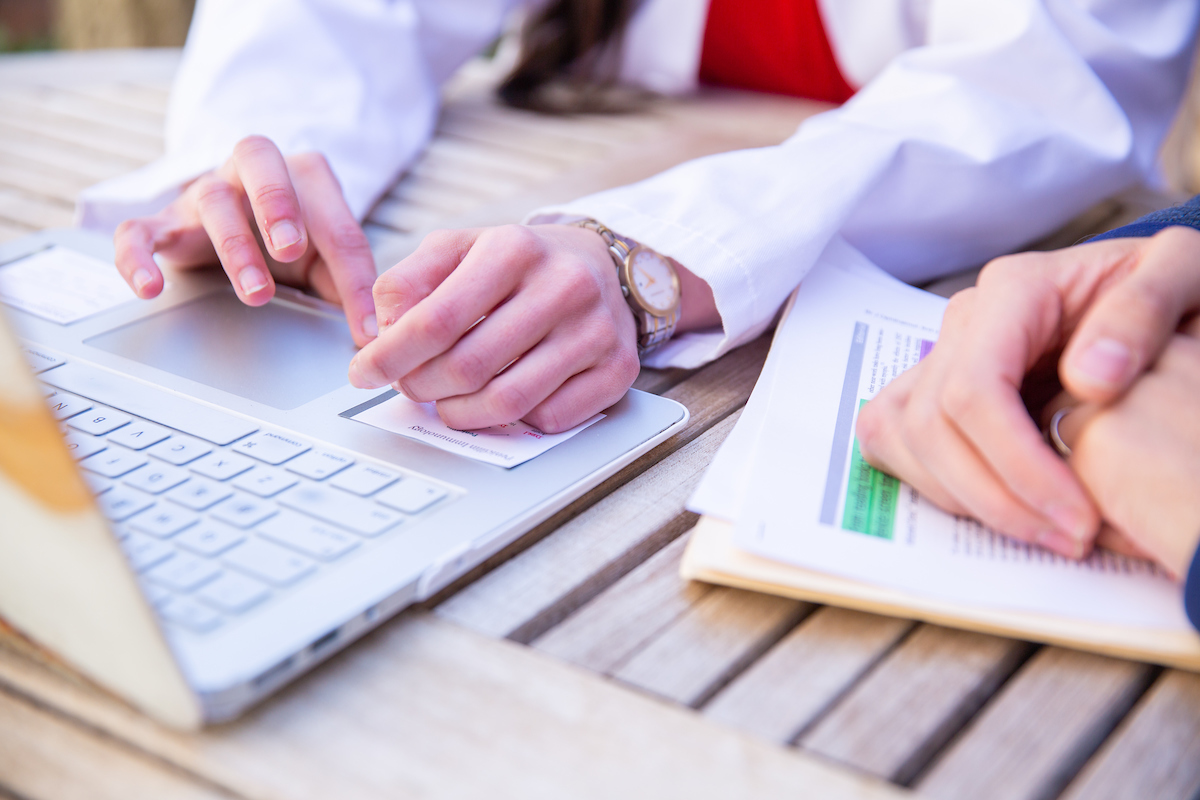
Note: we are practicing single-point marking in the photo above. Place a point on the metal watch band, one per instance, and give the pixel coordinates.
(653, 330)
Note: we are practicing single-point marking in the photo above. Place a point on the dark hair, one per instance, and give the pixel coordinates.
(568, 58)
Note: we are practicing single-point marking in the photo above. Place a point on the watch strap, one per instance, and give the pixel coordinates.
(653, 330)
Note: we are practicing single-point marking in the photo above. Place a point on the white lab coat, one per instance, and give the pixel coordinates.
(980, 126)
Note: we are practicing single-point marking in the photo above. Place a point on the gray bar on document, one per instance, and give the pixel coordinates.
(845, 421)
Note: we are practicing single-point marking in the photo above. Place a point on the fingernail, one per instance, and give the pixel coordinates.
(284, 234)
(1070, 522)
(141, 279)
(252, 280)
(1060, 543)
(1105, 362)
(370, 326)
(358, 380)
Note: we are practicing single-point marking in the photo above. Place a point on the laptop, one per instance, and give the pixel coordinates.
(191, 513)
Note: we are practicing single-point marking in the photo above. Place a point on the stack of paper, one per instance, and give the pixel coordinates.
(791, 508)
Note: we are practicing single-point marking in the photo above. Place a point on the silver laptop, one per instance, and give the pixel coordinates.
(251, 525)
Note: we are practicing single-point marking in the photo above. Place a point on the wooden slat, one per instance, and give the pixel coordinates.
(783, 692)
(136, 148)
(43, 756)
(607, 630)
(891, 723)
(84, 162)
(13, 230)
(1156, 751)
(1034, 736)
(38, 179)
(37, 212)
(526, 595)
(138, 97)
(76, 108)
(424, 708)
(698, 653)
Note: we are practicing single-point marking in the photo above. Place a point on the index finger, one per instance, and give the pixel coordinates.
(341, 243)
(259, 167)
(1128, 326)
(1008, 334)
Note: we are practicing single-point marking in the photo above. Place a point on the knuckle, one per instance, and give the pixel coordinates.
(348, 238)
(1155, 300)
(870, 428)
(468, 370)
(1006, 268)
(546, 418)
(212, 191)
(435, 322)
(512, 241)
(238, 246)
(309, 162)
(277, 198)
(959, 397)
(508, 401)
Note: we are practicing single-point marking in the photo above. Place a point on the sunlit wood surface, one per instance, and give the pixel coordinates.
(577, 663)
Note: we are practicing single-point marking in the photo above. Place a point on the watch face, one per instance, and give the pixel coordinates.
(653, 280)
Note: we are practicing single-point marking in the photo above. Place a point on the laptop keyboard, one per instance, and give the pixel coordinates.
(214, 531)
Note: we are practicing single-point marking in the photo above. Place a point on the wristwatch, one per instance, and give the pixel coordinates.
(648, 281)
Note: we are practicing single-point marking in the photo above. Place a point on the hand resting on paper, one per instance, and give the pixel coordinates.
(960, 426)
(294, 206)
(507, 323)
(1139, 457)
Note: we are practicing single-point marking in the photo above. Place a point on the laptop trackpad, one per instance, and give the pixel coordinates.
(282, 354)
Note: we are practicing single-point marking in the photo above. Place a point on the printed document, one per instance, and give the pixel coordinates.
(808, 498)
(504, 445)
(62, 285)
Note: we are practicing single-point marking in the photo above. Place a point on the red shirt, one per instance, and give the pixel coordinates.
(775, 46)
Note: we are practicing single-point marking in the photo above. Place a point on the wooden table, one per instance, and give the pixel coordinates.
(577, 663)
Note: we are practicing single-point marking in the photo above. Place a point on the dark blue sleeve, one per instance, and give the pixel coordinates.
(1191, 592)
(1186, 214)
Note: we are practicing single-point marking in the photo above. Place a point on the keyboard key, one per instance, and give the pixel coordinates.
(271, 447)
(157, 405)
(163, 521)
(411, 495)
(189, 614)
(209, 538)
(64, 405)
(40, 360)
(339, 508)
(97, 484)
(179, 449)
(155, 595)
(233, 593)
(139, 434)
(269, 562)
(81, 445)
(222, 466)
(264, 481)
(199, 493)
(114, 462)
(363, 479)
(319, 464)
(99, 421)
(156, 477)
(144, 552)
(183, 573)
(242, 510)
(121, 503)
(308, 536)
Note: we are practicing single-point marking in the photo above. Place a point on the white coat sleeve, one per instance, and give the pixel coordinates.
(1009, 119)
(356, 80)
